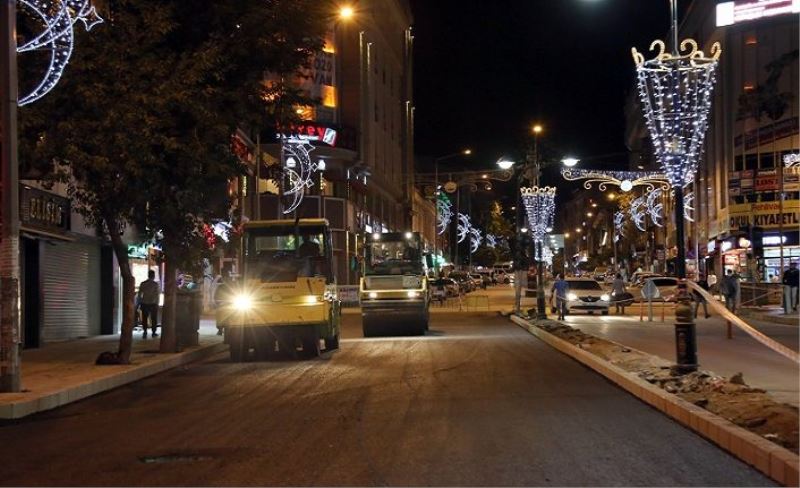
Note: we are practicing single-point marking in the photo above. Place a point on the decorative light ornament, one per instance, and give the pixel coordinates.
(491, 240)
(638, 212)
(58, 18)
(791, 160)
(655, 208)
(444, 213)
(675, 91)
(475, 239)
(463, 228)
(625, 180)
(540, 207)
(545, 256)
(619, 226)
(688, 207)
(298, 171)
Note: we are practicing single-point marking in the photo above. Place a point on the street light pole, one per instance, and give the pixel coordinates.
(541, 312)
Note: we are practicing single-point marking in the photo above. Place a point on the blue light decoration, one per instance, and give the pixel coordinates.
(688, 207)
(475, 239)
(491, 240)
(675, 90)
(58, 18)
(655, 208)
(545, 256)
(619, 226)
(444, 213)
(463, 228)
(540, 208)
(297, 172)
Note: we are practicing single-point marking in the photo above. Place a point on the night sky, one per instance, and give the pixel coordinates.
(485, 71)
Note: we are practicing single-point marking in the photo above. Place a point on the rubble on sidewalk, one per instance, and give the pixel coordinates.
(730, 398)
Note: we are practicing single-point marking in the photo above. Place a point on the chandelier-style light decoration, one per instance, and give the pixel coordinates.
(625, 180)
(491, 240)
(540, 207)
(675, 91)
(619, 226)
(298, 171)
(444, 213)
(463, 227)
(545, 256)
(475, 239)
(57, 18)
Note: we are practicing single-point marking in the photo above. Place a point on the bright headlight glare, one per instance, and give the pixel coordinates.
(243, 302)
(373, 294)
(313, 299)
(572, 296)
(413, 294)
(605, 297)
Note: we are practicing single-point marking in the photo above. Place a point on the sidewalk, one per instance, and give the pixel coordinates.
(62, 373)
(772, 314)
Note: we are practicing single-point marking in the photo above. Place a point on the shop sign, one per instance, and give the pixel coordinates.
(772, 240)
(768, 133)
(735, 183)
(746, 182)
(711, 247)
(766, 215)
(767, 180)
(791, 179)
(43, 210)
(731, 259)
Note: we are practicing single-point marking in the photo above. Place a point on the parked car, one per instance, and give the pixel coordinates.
(586, 294)
(488, 277)
(444, 288)
(638, 277)
(667, 287)
(501, 276)
(477, 278)
(464, 281)
(600, 273)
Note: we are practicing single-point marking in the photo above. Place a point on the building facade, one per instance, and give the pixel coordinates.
(360, 133)
(747, 205)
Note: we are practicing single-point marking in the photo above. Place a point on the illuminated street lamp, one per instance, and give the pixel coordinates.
(570, 162)
(346, 12)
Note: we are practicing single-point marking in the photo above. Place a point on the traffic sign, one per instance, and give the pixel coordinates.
(650, 290)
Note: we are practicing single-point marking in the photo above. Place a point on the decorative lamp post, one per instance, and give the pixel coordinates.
(540, 207)
(675, 90)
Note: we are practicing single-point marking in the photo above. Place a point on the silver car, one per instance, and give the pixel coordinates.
(586, 295)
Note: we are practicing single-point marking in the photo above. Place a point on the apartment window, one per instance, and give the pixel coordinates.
(751, 161)
(767, 160)
(738, 163)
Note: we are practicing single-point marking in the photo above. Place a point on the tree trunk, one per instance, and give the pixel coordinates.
(169, 341)
(128, 291)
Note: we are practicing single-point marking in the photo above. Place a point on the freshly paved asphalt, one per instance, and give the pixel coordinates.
(476, 402)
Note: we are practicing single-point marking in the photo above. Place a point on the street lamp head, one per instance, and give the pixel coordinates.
(549, 229)
(626, 185)
(346, 12)
(467, 152)
(569, 162)
(524, 230)
(505, 164)
(537, 129)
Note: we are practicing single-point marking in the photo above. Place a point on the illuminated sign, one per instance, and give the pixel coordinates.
(727, 246)
(730, 13)
(773, 240)
(310, 131)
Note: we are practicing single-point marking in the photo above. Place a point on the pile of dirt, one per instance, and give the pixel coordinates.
(730, 398)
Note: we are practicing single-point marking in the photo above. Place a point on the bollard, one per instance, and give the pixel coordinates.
(663, 305)
(685, 334)
(649, 310)
(641, 312)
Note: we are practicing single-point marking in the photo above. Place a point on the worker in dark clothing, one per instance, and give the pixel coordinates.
(791, 284)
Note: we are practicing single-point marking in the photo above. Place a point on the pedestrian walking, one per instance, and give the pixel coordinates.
(791, 282)
(729, 289)
(711, 279)
(559, 293)
(699, 299)
(149, 294)
(618, 293)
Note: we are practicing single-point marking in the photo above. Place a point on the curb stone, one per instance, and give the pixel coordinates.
(778, 463)
(74, 393)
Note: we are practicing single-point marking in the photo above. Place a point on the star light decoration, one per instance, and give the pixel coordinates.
(491, 240)
(625, 180)
(444, 213)
(675, 91)
(540, 207)
(57, 18)
(298, 171)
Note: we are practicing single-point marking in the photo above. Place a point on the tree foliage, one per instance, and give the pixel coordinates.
(141, 123)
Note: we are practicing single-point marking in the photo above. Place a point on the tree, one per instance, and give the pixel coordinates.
(485, 256)
(140, 126)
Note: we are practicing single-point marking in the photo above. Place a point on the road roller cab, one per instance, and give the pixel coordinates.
(394, 287)
(285, 301)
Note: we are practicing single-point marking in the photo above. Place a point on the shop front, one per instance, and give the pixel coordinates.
(63, 293)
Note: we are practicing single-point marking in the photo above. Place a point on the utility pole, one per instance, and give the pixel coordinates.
(9, 238)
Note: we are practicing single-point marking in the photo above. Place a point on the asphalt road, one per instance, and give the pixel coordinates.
(477, 402)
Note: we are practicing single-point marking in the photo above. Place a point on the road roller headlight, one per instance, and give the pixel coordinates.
(605, 297)
(572, 296)
(243, 302)
(373, 295)
(413, 294)
(312, 299)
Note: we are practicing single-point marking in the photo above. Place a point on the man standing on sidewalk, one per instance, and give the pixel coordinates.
(791, 282)
(149, 293)
(729, 289)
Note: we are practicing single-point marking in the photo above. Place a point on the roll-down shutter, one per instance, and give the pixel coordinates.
(67, 270)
